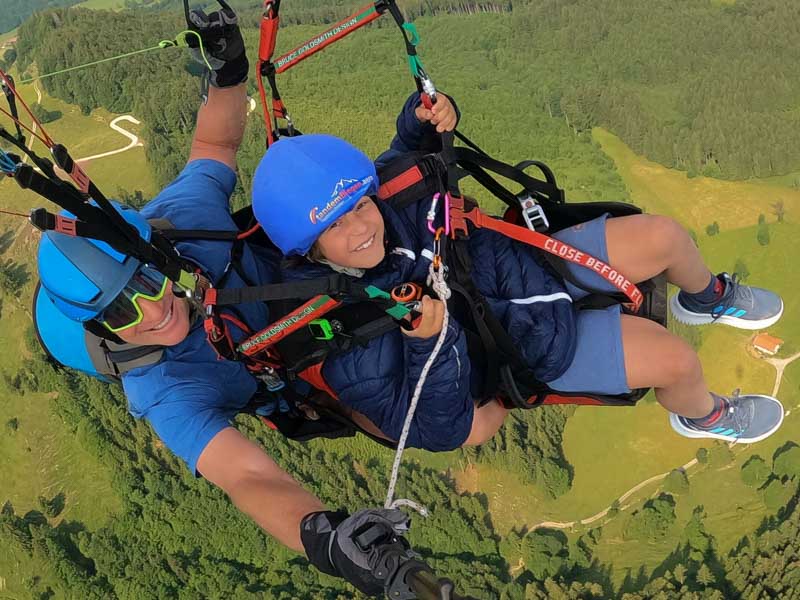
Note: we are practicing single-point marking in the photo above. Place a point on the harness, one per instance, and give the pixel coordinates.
(328, 316)
(344, 314)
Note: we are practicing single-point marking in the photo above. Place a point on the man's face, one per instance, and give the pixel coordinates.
(165, 322)
(356, 239)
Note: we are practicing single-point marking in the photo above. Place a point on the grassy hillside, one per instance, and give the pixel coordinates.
(103, 4)
(84, 136)
(699, 201)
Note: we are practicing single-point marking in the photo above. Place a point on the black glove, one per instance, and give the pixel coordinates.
(347, 546)
(222, 43)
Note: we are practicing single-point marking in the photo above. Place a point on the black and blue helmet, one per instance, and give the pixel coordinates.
(82, 276)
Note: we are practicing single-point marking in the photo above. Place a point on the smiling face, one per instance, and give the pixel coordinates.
(165, 322)
(356, 239)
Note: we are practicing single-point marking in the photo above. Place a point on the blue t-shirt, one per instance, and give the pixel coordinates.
(191, 395)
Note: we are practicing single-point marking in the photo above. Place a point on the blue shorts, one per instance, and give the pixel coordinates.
(599, 362)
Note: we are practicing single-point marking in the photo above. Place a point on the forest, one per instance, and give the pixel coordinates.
(533, 77)
(16, 11)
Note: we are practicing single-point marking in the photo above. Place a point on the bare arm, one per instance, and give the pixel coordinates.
(257, 486)
(220, 125)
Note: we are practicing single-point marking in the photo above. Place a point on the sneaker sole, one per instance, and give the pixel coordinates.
(695, 434)
(692, 318)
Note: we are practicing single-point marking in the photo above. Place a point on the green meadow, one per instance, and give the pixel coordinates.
(614, 449)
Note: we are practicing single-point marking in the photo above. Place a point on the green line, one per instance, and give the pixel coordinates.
(91, 64)
(179, 41)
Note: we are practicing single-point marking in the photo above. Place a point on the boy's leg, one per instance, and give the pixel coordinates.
(642, 246)
(656, 358)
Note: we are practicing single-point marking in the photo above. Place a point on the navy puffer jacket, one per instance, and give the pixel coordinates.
(378, 380)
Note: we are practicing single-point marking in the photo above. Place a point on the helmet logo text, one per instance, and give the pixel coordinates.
(345, 188)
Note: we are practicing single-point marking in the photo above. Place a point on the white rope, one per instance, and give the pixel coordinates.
(439, 285)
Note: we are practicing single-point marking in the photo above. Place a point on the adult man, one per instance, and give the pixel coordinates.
(190, 396)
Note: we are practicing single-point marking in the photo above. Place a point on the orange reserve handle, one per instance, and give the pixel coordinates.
(406, 292)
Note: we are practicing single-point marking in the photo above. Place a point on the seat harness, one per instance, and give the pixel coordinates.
(325, 320)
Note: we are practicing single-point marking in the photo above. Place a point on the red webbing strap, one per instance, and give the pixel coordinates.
(273, 333)
(551, 399)
(402, 181)
(269, 34)
(458, 219)
(65, 225)
(313, 375)
(266, 47)
(217, 334)
(346, 26)
(37, 126)
(278, 108)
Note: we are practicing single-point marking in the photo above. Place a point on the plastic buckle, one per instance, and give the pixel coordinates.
(533, 213)
(272, 381)
(321, 329)
(458, 218)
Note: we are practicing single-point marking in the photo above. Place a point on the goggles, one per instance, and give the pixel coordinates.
(124, 312)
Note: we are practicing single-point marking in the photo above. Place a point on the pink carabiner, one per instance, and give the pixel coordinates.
(431, 216)
(447, 213)
(432, 213)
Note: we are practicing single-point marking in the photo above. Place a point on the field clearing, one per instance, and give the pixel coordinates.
(42, 458)
(4, 37)
(790, 388)
(695, 202)
(82, 135)
(86, 136)
(103, 4)
(15, 320)
(733, 510)
(772, 266)
(18, 569)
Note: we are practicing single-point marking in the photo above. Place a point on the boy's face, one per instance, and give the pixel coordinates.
(356, 239)
(165, 322)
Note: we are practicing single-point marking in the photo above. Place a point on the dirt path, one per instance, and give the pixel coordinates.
(780, 365)
(620, 500)
(33, 125)
(134, 139)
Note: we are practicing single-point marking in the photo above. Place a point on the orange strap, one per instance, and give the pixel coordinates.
(458, 223)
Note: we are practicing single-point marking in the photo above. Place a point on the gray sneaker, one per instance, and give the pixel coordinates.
(740, 306)
(749, 418)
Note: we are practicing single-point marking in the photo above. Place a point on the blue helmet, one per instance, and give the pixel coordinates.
(83, 276)
(305, 183)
